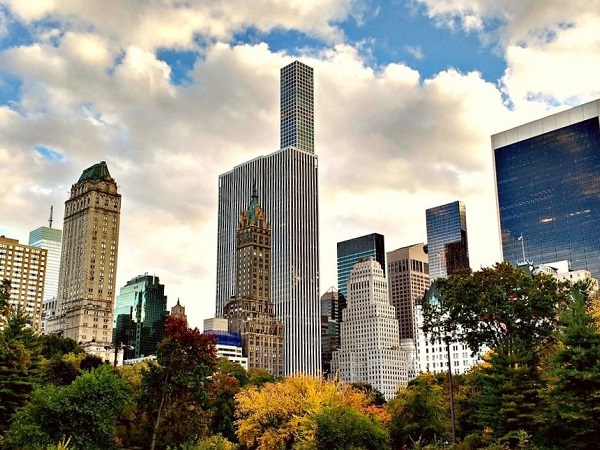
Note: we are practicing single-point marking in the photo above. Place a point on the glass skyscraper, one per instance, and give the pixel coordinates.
(352, 251)
(297, 107)
(548, 189)
(288, 182)
(139, 317)
(447, 243)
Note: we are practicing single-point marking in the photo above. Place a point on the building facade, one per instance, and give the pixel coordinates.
(288, 183)
(251, 313)
(351, 251)
(331, 317)
(447, 243)
(49, 239)
(25, 267)
(178, 310)
(370, 349)
(140, 316)
(297, 107)
(229, 345)
(547, 175)
(408, 281)
(88, 265)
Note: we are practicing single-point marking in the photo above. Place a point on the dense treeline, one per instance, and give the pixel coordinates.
(536, 388)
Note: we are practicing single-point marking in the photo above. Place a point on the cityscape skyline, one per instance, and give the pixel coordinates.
(401, 116)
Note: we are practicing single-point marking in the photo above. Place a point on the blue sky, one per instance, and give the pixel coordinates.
(171, 95)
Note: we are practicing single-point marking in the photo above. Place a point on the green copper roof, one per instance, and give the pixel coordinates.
(253, 203)
(96, 172)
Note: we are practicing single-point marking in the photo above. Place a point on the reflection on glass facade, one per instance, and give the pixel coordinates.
(352, 251)
(548, 189)
(140, 314)
(297, 107)
(447, 239)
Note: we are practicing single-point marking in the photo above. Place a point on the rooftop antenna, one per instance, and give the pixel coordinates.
(50, 219)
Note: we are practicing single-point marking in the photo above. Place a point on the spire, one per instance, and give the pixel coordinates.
(50, 219)
(253, 203)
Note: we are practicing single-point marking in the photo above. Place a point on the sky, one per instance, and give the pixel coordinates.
(173, 93)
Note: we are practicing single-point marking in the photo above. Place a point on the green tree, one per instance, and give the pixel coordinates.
(53, 345)
(232, 369)
(259, 377)
(375, 395)
(342, 427)
(19, 361)
(222, 405)
(86, 411)
(571, 418)
(175, 392)
(419, 413)
(496, 307)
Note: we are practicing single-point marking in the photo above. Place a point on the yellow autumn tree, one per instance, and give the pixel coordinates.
(282, 414)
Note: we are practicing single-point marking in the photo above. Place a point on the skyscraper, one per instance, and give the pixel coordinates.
(447, 239)
(370, 345)
(288, 183)
(408, 281)
(86, 288)
(547, 188)
(50, 239)
(331, 317)
(250, 313)
(25, 267)
(140, 316)
(353, 250)
(297, 107)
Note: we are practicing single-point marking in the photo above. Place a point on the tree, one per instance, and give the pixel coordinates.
(53, 345)
(342, 427)
(233, 369)
(571, 418)
(419, 413)
(85, 411)
(258, 377)
(375, 395)
(222, 405)
(175, 391)
(496, 307)
(19, 361)
(282, 414)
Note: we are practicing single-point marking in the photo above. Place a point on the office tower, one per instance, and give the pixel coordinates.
(88, 264)
(250, 313)
(331, 317)
(25, 267)
(50, 239)
(297, 107)
(229, 344)
(288, 183)
(353, 250)
(370, 345)
(447, 239)
(178, 311)
(547, 175)
(140, 316)
(408, 281)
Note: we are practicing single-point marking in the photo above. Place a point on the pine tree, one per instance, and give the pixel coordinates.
(572, 413)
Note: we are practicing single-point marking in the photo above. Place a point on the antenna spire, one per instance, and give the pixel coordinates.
(50, 219)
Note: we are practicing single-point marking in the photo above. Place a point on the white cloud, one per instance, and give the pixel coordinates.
(415, 51)
(390, 143)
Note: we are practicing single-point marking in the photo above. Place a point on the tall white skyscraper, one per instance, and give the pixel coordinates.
(50, 239)
(287, 181)
(370, 348)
